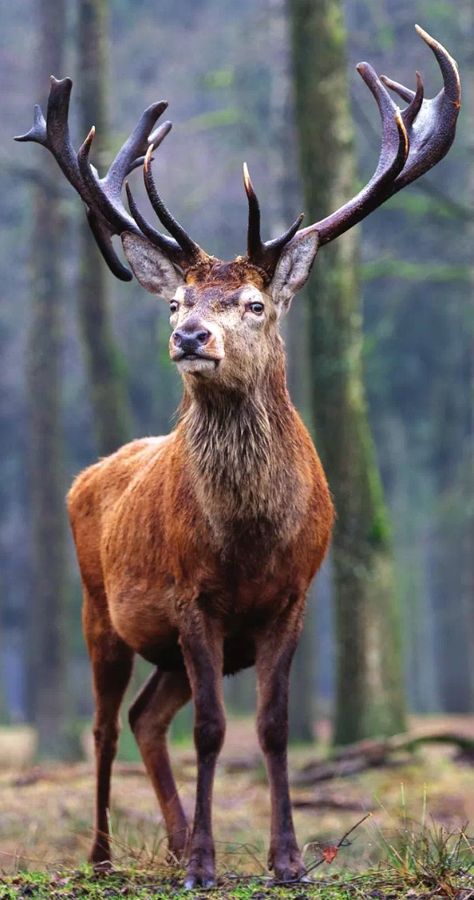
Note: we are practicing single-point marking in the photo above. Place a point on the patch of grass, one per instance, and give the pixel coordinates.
(380, 884)
(424, 862)
(433, 856)
(83, 883)
(417, 852)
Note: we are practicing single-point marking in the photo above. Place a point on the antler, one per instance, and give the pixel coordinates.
(106, 213)
(182, 245)
(413, 140)
(264, 255)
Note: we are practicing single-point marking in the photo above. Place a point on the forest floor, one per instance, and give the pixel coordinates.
(415, 843)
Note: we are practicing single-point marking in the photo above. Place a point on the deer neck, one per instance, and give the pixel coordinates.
(241, 450)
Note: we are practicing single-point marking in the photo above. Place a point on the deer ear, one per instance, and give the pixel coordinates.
(293, 268)
(155, 272)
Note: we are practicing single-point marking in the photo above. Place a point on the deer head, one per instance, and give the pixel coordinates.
(225, 314)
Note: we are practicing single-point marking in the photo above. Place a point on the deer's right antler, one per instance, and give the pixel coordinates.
(105, 211)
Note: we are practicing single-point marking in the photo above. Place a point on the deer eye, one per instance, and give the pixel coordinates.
(174, 306)
(257, 308)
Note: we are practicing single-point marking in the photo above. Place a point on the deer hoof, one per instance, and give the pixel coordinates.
(193, 881)
(287, 865)
(102, 867)
(200, 871)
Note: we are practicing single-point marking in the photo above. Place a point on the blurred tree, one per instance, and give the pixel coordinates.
(281, 208)
(369, 695)
(104, 362)
(47, 651)
(467, 483)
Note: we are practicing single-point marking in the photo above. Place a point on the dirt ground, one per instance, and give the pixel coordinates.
(46, 811)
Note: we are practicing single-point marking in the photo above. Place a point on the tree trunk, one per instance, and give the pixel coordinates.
(467, 477)
(47, 651)
(369, 697)
(104, 364)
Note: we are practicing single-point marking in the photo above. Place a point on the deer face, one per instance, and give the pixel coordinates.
(222, 331)
(224, 316)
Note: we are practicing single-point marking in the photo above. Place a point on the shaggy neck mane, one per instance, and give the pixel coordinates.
(238, 446)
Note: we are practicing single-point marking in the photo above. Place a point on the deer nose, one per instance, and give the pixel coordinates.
(190, 339)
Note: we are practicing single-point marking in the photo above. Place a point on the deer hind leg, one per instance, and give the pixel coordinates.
(150, 716)
(112, 664)
(275, 649)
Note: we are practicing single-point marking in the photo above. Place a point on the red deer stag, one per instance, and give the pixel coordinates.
(196, 550)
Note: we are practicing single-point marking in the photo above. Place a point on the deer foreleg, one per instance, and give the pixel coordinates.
(202, 650)
(275, 649)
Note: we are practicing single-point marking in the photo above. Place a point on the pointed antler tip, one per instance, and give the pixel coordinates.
(84, 149)
(249, 188)
(158, 134)
(147, 160)
(423, 34)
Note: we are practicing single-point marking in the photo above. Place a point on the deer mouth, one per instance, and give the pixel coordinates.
(194, 363)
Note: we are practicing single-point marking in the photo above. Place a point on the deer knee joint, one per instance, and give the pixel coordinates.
(106, 734)
(209, 733)
(272, 733)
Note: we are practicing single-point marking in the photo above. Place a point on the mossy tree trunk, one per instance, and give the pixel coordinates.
(467, 463)
(369, 695)
(47, 650)
(104, 363)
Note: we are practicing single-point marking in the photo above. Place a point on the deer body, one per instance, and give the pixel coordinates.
(196, 550)
(180, 528)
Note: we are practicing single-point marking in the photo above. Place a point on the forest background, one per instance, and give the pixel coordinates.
(84, 363)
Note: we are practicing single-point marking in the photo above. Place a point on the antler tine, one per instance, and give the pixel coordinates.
(53, 133)
(167, 244)
(393, 153)
(37, 132)
(155, 139)
(133, 151)
(109, 205)
(254, 241)
(103, 236)
(265, 255)
(433, 131)
(448, 66)
(191, 250)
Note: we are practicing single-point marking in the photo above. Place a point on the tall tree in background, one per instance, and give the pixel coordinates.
(369, 696)
(285, 208)
(105, 367)
(467, 459)
(46, 622)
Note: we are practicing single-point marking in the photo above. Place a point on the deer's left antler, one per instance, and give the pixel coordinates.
(413, 141)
